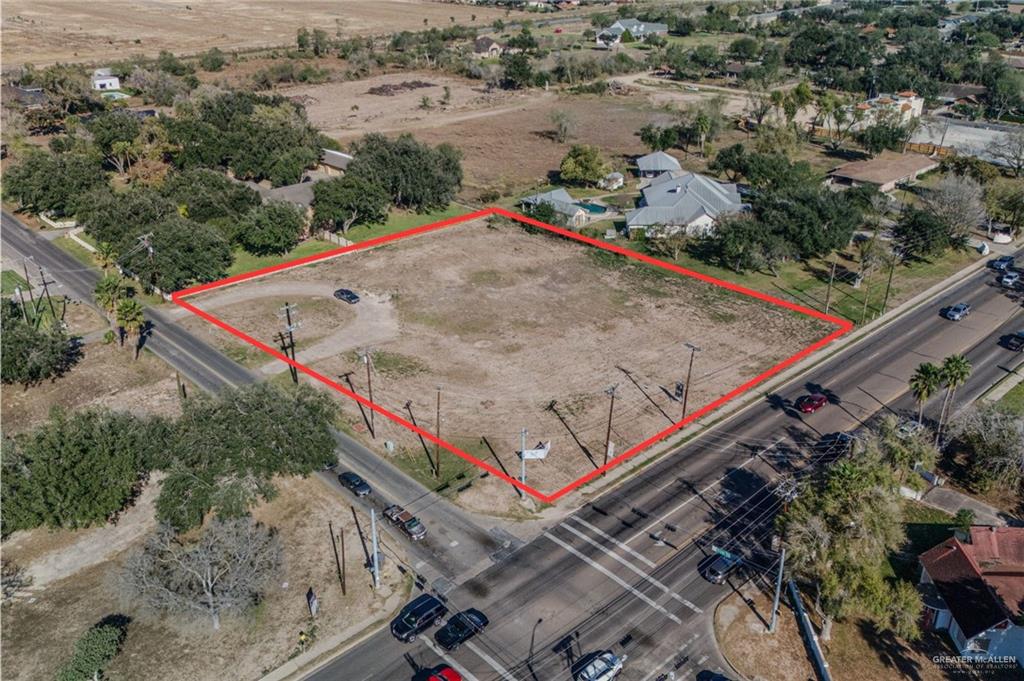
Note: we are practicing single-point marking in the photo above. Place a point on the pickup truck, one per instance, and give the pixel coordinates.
(1016, 342)
(406, 521)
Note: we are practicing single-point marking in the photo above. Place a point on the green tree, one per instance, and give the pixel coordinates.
(995, 442)
(114, 133)
(583, 165)
(55, 183)
(93, 652)
(350, 200)
(657, 138)
(29, 354)
(415, 175)
(544, 212)
(110, 290)
(882, 136)
(119, 219)
(1005, 203)
(212, 60)
(76, 469)
(181, 253)
(564, 125)
(956, 369)
(204, 195)
(921, 233)
(924, 384)
(745, 48)
(272, 229)
(732, 161)
(170, 64)
(226, 449)
(517, 71)
(131, 319)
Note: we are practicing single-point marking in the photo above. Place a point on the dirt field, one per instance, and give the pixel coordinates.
(505, 322)
(46, 31)
(159, 648)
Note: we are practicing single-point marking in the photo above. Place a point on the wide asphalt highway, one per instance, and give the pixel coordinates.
(622, 572)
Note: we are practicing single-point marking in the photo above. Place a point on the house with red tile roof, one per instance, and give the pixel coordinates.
(974, 589)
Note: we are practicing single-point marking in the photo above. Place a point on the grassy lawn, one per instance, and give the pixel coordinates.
(76, 251)
(399, 221)
(455, 471)
(247, 262)
(925, 527)
(9, 280)
(1013, 401)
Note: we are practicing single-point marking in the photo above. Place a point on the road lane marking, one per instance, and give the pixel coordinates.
(614, 577)
(643, 559)
(672, 658)
(504, 673)
(643, 575)
(449, 659)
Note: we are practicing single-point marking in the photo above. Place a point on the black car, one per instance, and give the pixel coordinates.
(348, 295)
(461, 628)
(418, 616)
(1015, 342)
(1003, 263)
(354, 483)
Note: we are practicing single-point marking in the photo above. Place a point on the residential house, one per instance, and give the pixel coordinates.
(26, 98)
(974, 590)
(734, 70)
(485, 47)
(612, 181)
(900, 108)
(681, 201)
(655, 164)
(104, 80)
(885, 171)
(957, 93)
(569, 211)
(333, 162)
(638, 29)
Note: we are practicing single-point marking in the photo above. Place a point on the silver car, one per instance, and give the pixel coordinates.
(958, 312)
(1010, 279)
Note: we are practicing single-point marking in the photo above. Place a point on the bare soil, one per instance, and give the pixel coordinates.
(505, 322)
(47, 31)
(244, 648)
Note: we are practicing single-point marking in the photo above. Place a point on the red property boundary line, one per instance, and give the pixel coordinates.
(843, 326)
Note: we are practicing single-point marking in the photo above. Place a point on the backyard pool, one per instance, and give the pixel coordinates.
(593, 208)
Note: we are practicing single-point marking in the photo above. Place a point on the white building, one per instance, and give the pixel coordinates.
(104, 80)
(681, 201)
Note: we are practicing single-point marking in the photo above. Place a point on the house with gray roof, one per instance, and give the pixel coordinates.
(638, 29)
(681, 201)
(653, 165)
(333, 162)
(569, 211)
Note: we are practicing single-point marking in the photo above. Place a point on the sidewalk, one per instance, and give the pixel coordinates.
(951, 501)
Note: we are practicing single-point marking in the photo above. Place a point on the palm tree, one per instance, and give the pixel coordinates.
(108, 292)
(131, 319)
(702, 125)
(106, 255)
(925, 382)
(956, 369)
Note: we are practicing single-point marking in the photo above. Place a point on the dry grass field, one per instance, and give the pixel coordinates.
(46, 31)
(507, 321)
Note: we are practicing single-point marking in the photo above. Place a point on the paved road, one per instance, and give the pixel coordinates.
(457, 544)
(621, 573)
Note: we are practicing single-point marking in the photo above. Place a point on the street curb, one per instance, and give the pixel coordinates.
(1004, 384)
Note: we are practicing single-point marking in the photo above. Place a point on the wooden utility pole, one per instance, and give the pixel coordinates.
(369, 390)
(831, 279)
(289, 328)
(888, 285)
(28, 284)
(437, 434)
(689, 374)
(608, 431)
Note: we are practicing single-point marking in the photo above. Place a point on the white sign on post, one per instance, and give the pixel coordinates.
(538, 452)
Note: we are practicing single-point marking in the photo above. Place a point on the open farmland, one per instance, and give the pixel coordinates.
(46, 31)
(519, 330)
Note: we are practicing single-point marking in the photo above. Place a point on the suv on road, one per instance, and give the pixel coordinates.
(354, 483)
(1016, 342)
(406, 521)
(600, 666)
(719, 569)
(1002, 263)
(418, 616)
(958, 312)
(461, 628)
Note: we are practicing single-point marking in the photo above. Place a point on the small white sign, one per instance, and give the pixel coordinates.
(538, 452)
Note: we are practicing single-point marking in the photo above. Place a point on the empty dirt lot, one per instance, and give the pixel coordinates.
(47, 31)
(505, 322)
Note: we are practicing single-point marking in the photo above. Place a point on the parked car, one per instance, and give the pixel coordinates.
(1010, 279)
(908, 428)
(691, 88)
(354, 483)
(1003, 263)
(406, 521)
(600, 666)
(460, 628)
(719, 569)
(808, 404)
(1015, 342)
(417, 616)
(348, 295)
(958, 312)
(444, 673)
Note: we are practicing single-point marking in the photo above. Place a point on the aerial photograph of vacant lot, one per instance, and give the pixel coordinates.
(515, 330)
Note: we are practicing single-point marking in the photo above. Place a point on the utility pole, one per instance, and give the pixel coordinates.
(437, 434)
(28, 284)
(831, 279)
(522, 455)
(46, 292)
(689, 373)
(864, 308)
(288, 342)
(888, 286)
(778, 592)
(608, 431)
(373, 539)
(21, 296)
(369, 389)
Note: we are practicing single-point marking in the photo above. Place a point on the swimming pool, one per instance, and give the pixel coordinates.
(592, 208)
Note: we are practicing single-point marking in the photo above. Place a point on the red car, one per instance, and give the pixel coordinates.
(808, 404)
(444, 673)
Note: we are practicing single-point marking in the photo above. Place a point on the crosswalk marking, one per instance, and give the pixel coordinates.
(504, 673)
(449, 659)
(643, 559)
(615, 578)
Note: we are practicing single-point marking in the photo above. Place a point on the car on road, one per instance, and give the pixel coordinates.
(808, 404)
(355, 483)
(444, 673)
(1003, 263)
(691, 88)
(603, 665)
(407, 522)
(957, 312)
(417, 616)
(1015, 342)
(460, 628)
(908, 428)
(1010, 279)
(719, 569)
(348, 295)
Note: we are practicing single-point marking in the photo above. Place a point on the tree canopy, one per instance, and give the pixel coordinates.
(272, 229)
(347, 201)
(415, 175)
(31, 352)
(583, 165)
(56, 183)
(180, 252)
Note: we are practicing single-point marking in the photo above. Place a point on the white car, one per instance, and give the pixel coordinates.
(1010, 279)
(691, 88)
(908, 428)
(601, 666)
